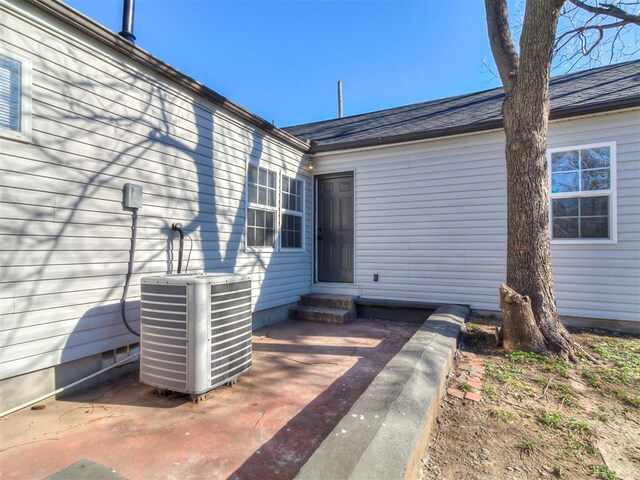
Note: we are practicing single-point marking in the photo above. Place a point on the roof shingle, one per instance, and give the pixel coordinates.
(598, 89)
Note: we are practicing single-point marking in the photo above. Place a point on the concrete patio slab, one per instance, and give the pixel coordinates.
(306, 377)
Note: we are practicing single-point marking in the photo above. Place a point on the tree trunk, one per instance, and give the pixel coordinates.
(525, 115)
(519, 330)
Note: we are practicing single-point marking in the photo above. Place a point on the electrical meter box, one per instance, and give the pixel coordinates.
(132, 195)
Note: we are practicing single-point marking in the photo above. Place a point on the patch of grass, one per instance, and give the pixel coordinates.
(625, 396)
(490, 393)
(557, 367)
(504, 415)
(579, 427)
(551, 419)
(503, 373)
(525, 357)
(465, 387)
(519, 388)
(602, 472)
(623, 358)
(563, 389)
(577, 446)
(529, 447)
(592, 379)
(540, 381)
(622, 379)
(567, 395)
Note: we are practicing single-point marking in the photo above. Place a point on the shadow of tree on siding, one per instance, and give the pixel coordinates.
(73, 234)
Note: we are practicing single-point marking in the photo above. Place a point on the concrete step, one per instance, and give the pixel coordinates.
(346, 302)
(312, 313)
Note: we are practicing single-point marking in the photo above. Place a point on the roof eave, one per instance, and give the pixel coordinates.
(556, 114)
(93, 29)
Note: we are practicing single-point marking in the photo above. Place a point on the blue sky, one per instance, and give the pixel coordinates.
(282, 59)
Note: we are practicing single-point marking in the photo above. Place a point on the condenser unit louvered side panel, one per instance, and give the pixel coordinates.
(231, 351)
(163, 336)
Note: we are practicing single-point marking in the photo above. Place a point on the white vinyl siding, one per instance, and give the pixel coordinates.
(15, 96)
(100, 121)
(431, 221)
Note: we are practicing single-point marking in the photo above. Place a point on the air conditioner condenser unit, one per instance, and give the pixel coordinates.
(195, 331)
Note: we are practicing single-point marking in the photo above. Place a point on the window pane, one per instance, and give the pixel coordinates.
(252, 217)
(253, 193)
(259, 237)
(565, 227)
(594, 158)
(270, 231)
(564, 182)
(565, 207)
(594, 227)
(262, 176)
(251, 237)
(291, 231)
(271, 198)
(262, 196)
(253, 174)
(595, 179)
(564, 161)
(260, 218)
(592, 206)
(292, 200)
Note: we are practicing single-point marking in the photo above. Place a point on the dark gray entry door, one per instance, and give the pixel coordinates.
(334, 244)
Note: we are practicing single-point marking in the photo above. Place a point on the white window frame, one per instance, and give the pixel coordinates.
(284, 211)
(278, 211)
(258, 206)
(24, 134)
(612, 193)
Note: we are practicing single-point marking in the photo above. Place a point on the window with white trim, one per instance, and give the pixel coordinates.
(291, 234)
(262, 208)
(15, 97)
(583, 193)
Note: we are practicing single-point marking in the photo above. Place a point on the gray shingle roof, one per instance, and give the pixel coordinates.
(589, 91)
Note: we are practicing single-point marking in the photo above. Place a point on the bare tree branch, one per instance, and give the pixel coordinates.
(609, 10)
(589, 36)
(504, 51)
(567, 36)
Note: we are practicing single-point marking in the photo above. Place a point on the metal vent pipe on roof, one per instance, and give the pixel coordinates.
(128, 8)
(339, 98)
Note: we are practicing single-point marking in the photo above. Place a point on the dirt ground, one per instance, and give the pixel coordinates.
(538, 418)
